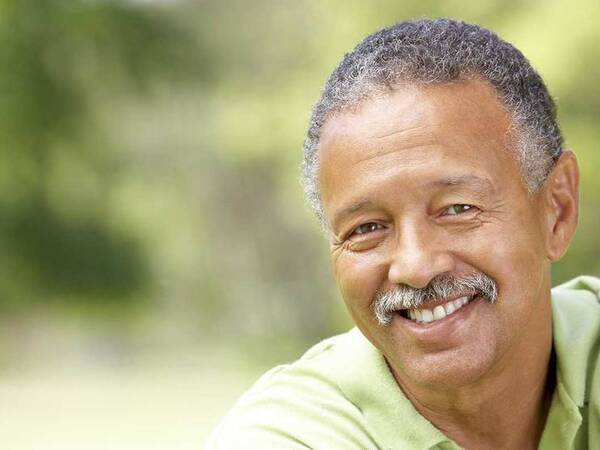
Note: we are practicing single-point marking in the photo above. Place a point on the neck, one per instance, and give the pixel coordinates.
(506, 409)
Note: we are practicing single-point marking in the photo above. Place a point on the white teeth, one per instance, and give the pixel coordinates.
(426, 315)
(460, 302)
(439, 312)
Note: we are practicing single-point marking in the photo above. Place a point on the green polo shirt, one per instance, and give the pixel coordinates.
(341, 394)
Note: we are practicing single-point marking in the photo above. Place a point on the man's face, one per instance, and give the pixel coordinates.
(423, 183)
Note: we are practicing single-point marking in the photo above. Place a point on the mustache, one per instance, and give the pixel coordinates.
(442, 286)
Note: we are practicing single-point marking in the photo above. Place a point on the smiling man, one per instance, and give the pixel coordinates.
(435, 165)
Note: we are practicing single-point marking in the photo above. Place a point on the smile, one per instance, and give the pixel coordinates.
(439, 312)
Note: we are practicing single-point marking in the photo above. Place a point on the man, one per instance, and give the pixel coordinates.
(435, 164)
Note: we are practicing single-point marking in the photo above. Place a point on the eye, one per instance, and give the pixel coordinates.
(457, 209)
(366, 228)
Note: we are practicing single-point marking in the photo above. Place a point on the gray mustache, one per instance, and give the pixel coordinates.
(442, 286)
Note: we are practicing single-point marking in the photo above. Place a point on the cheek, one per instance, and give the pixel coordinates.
(520, 249)
(514, 257)
(359, 276)
(520, 276)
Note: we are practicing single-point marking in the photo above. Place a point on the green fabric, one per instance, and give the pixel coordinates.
(341, 394)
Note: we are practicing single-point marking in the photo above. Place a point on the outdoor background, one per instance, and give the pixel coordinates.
(156, 255)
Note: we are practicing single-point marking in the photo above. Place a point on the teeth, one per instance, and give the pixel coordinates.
(418, 315)
(439, 312)
(426, 315)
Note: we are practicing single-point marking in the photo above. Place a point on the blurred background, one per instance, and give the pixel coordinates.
(156, 254)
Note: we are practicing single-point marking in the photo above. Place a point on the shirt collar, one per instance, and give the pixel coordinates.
(574, 330)
(574, 336)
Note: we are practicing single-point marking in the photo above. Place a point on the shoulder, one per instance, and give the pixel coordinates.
(576, 327)
(576, 310)
(296, 406)
(586, 286)
(576, 305)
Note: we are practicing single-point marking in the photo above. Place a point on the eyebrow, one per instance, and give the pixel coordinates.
(480, 185)
(358, 206)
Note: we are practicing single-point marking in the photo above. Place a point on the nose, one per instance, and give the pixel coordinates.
(419, 256)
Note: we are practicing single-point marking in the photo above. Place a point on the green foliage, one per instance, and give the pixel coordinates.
(55, 56)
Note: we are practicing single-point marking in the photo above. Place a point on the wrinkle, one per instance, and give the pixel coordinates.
(393, 133)
(393, 150)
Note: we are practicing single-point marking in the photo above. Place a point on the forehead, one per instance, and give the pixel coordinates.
(417, 134)
(451, 110)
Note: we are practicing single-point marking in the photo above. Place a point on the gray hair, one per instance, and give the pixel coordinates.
(426, 52)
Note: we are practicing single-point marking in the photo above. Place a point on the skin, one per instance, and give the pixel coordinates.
(395, 172)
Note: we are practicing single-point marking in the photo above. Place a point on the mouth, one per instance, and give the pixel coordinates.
(437, 312)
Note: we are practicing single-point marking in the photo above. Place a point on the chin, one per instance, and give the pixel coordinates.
(443, 370)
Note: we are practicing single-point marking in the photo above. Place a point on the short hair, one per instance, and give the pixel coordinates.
(437, 51)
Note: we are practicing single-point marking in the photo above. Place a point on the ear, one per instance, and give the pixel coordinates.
(561, 194)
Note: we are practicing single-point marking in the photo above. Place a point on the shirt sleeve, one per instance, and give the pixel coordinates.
(294, 407)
